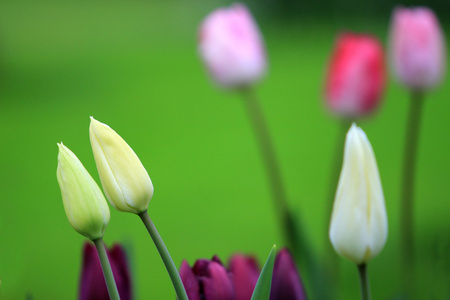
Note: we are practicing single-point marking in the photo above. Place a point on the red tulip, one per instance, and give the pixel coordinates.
(417, 47)
(245, 272)
(92, 282)
(356, 76)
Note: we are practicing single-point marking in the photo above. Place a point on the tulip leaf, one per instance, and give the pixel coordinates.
(262, 288)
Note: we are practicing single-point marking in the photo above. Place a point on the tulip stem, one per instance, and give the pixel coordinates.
(106, 268)
(165, 255)
(364, 280)
(290, 224)
(407, 197)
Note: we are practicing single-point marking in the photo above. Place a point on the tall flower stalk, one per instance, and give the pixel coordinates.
(418, 58)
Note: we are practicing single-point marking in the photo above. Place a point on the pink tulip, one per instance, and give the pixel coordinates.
(417, 47)
(231, 47)
(356, 76)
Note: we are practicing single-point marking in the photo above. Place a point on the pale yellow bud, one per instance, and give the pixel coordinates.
(124, 179)
(358, 228)
(84, 203)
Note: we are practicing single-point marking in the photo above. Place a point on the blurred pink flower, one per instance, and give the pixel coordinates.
(356, 76)
(209, 280)
(92, 282)
(417, 47)
(232, 48)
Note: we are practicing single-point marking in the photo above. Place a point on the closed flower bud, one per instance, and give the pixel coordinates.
(356, 76)
(245, 273)
(231, 46)
(84, 203)
(92, 282)
(124, 179)
(417, 47)
(358, 228)
(286, 282)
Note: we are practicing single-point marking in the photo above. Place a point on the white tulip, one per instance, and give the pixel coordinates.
(125, 181)
(358, 228)
(84, 203)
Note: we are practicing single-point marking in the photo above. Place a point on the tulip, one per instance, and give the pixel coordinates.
(92, 283)
(286, 282)
(356, 76)
(208, 280)
(125, 181)
(245, 273)
(417, 47)
(239, 281)
(358, 228)
(232, 48)
(84, 203)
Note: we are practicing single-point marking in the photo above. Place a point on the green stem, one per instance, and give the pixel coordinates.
(107, 271)
(407, 196)
(364, 280)
(291, 226)
(165, 255)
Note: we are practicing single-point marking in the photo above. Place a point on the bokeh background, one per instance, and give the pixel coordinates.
(134, 65)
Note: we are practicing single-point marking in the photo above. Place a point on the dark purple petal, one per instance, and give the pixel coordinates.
(190, 282)
(92, 282)
(245, 273)
(286, 282)
(217, 285)
(119, 266)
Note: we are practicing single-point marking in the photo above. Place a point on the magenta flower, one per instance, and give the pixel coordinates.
(209, 280)
(92, 282)
(232, 48)
(417, 47)
(356, 76)
(286, 282)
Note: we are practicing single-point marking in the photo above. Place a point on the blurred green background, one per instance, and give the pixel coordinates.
(134, 65)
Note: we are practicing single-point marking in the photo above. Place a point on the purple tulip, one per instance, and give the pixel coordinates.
(417, 47)
(231, 47)
(286, 282)
(245, 272)
(209, 280)
(92, 282)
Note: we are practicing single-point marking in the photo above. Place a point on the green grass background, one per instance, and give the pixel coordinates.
(134, 65)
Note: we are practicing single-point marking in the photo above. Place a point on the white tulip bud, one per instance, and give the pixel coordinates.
(124, 179)
(84, 203)
(358, 228)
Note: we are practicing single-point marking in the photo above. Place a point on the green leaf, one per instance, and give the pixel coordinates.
(262, 288)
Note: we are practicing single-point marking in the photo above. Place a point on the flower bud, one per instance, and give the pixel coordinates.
(417, 47)
(84, 203)
(92, 282)
(124, 179)
(356, 76)
(358, 228)
(245, 273)
(286, 282)
(231, 46)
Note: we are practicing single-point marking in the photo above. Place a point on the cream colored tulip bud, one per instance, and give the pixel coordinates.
(358, 228)
(124, 179)
(84, 203)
